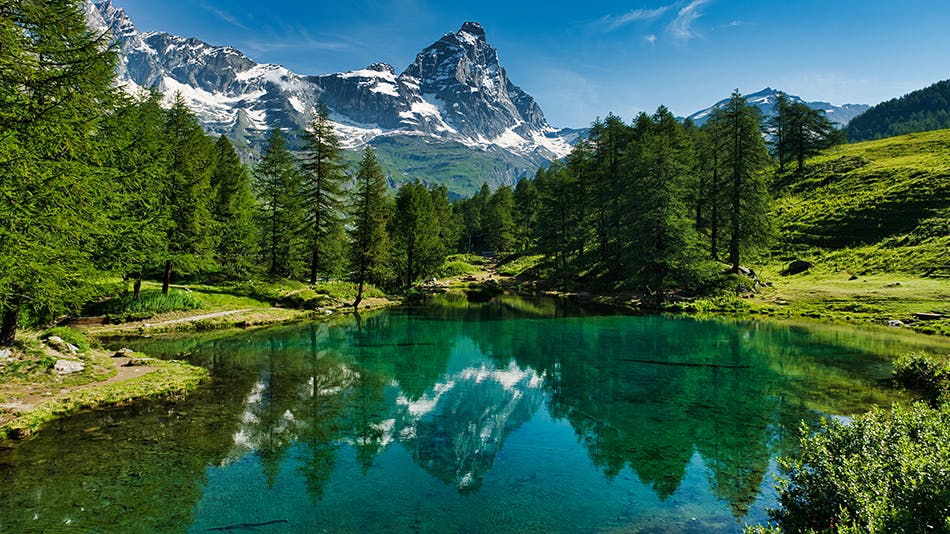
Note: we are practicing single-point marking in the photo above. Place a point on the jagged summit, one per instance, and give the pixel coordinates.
(455, 94)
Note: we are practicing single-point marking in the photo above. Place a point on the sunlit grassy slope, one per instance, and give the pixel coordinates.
(872, 207)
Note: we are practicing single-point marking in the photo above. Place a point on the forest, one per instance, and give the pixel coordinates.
(100, 185)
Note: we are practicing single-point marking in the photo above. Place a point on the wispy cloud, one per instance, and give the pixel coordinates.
(733, 24)
(613, 22)
(681, 28)
(650, 39)
(225, 16)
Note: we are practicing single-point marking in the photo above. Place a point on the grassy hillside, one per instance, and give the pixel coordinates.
(872, 207)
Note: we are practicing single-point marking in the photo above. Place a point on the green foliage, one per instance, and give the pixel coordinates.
(278, 186)
(234, 210)
(884, 472)
(799, 132)
(497, 220)
(151, 303)
(415, 229)
(322, 173)
(920, 111)
(926, 373)
(69, 335)
(369, 249)
(452, 268)
(519, 264)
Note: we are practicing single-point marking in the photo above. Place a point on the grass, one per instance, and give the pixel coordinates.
(126, 308)
(516, 265)
(169, 378)
(874, 207)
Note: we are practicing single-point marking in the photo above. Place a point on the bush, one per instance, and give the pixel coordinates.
(927, 374)
(887, 471)
(69, 335)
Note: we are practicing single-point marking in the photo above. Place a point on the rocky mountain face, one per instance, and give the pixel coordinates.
(455, 96)
(765, 101)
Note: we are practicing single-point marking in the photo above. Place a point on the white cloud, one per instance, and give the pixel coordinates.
(612, 22)
(650, 39)
(225, 16)
(682, 26)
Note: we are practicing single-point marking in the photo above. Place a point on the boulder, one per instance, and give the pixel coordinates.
(5, 354)
(123, 353)
(67, 367)
(57, 343)
(797, 266)
(73, 349)
(135, 362)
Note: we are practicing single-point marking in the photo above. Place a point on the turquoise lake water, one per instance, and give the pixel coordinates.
(509, 416)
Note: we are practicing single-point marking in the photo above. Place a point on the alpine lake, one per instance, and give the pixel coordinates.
(511, 415)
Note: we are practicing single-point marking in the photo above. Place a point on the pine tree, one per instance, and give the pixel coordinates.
(745, 158)
(498, 224)
(369, 240)
(277, 184)
(711, 207)
(450, 224)
(55, 84)
(527, 204)
(322, 181)
(780, 128)
(663, 239)
(417, 248)
(233, 210)
(136, 155)
(191, 238)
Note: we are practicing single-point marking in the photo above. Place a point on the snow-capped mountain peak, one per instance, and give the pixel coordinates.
(766, 98)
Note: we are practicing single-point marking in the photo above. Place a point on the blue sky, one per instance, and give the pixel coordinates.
(582, 59)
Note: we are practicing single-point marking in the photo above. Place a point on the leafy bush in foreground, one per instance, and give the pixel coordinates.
(927, 374)
(887, 471)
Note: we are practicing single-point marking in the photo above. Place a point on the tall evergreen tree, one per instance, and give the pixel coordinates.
(780, 129)
(417, 248)
(368, 236)
(278, 187)
(808, 132)
(711, 207)
(663, 238)
(56, 83)
(136, 153)
(191, 238)
(746, 157)
(525, 215)
(498, 222)
(450, 224)
(233, 210)
(322, 181)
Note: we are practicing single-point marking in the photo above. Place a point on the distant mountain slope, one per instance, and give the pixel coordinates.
(454, 94)
(765, 99)
(920, 111)
(874, 206)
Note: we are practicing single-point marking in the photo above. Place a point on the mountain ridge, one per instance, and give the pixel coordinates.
(454, 92)
(765, 100)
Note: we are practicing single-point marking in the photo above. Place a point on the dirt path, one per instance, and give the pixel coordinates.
(199, 317)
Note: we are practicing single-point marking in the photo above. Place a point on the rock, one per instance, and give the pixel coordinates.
(893, 323)
(135, 362)
(797, 266)
(853, 277)
(5, 354)
(57, 343)
(73, 349)
(68, 367)
(122, 353)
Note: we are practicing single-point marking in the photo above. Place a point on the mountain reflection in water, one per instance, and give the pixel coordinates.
(509, 415)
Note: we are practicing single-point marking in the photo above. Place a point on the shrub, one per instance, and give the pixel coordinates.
(884, 472)
(927, 374)
(69, 335)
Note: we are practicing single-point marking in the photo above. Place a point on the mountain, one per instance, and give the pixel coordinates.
(920, 111)
(765, 101)
(455, 97)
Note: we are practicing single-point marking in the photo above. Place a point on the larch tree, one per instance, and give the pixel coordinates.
(417, 249)
(745, 159)
(56, 81)
(322, 174)
(277, 184)
(369, 240)
(191, 237)
(234, 209)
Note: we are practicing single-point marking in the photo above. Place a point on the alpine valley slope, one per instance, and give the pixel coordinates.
(451, 117)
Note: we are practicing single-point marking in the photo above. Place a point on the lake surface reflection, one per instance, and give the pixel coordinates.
(508, 416)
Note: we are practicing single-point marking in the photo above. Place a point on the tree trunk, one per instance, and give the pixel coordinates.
(137, 287)
(11, 316)
(167, 279)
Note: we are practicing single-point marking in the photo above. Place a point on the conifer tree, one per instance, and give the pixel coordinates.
(233, 210)
(323, 176)
(745, 157)
(417, 248)
(55, 83)
(498, 221)
(277, 184)
(525, 215)
(369, 240)
(191, 238)
(135, 153)
(450, 224)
